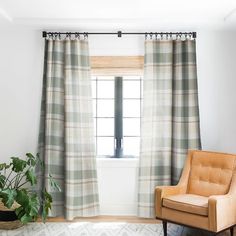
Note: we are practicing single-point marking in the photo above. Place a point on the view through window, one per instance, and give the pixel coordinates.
(117, 114)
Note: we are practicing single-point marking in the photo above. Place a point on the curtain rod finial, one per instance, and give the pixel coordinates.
(44, 33)
(194, 35)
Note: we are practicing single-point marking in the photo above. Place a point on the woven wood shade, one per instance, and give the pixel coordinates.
(117, 65)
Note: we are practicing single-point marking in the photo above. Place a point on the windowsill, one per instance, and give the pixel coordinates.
(104, 162)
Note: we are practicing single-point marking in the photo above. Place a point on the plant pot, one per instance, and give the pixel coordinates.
(8, 218)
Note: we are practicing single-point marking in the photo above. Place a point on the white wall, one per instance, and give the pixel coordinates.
(21, 56)
(217, 84)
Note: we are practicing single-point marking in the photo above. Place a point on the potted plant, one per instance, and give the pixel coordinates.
(20, 202)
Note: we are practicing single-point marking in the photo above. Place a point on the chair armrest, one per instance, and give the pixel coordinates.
(222, 208)
(221, 211)
(164, 191)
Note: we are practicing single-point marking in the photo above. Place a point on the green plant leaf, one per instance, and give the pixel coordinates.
(31, 177)
(44, 213)
(2, 181)
(40, 161)
(30, 205)
(22, 197)
(4, 166)
(31, 159)
(47, 200)
(19, 211)
(54, 184)
(18, 164)
(30, 155)
(31, 162)
(47, 196)
(8, 197)
(26, 218)
(34, 206)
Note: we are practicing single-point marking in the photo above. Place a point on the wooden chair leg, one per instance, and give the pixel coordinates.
(164, 224)
(232, 231)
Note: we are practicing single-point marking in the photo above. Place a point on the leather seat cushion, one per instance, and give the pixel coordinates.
(190, 203)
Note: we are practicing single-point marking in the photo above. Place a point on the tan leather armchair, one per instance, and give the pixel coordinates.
(205, 196)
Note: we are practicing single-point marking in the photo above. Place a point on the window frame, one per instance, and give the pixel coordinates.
(118, 67)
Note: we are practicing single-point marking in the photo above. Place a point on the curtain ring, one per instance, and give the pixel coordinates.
(77, 36)
(161, 36)
(146, 35)
(151, 35)
(156, 35)
(85, 35)
(67, 35)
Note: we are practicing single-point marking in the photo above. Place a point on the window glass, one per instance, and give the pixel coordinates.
(105, 108)
(128, 116)
(105, 126)
(105, 89)
(131, 108)
(105, 146)
(131, 89)
(131, 127)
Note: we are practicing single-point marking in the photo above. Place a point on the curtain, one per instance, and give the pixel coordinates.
(66, 139)
(170, 119)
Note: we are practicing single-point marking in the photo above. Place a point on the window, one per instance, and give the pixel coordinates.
(117, 109)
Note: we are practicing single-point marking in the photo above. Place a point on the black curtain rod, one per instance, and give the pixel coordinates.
(119, 33)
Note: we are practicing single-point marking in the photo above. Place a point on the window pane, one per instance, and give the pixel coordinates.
(131, 146)
(105, 126)
(105, 108)
(131, 108)
(105, 89)
(131, 126)
(105, 146)
(131, 89)
(94, 89)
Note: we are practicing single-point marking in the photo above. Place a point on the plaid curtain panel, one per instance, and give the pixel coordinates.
(170, 119)
(66, 139)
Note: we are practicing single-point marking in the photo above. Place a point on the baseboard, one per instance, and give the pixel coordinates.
(118, 209)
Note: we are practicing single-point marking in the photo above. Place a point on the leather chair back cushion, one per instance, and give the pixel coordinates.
(211, 173)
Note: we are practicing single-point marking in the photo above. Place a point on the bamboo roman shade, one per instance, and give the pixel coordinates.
(117, 65)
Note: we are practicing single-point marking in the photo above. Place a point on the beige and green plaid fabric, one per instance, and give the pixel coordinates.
(66, 140)
(170, 119)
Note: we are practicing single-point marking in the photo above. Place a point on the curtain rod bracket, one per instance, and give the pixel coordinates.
(44, 34)
(119, 34)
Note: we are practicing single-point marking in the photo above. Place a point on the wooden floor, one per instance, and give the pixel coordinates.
(174, 230)
(128, 219)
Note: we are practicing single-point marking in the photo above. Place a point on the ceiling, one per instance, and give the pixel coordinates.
(97, 15)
